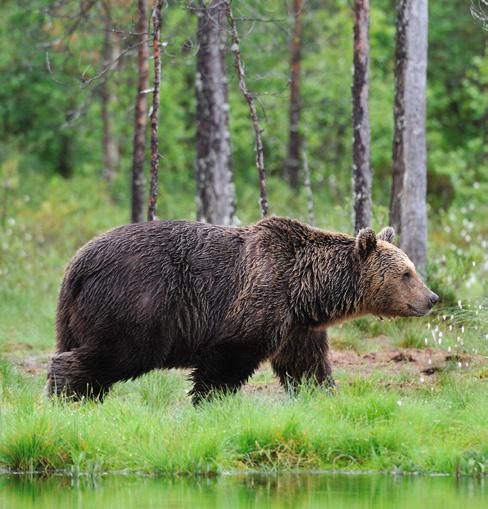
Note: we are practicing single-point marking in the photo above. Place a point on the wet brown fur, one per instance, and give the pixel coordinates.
(220, 300)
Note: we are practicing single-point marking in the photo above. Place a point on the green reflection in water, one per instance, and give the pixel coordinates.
(286, 491)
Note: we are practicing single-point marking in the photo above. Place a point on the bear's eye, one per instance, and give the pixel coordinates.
(407, 275)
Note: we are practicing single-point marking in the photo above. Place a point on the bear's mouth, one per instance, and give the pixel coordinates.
(418, 312)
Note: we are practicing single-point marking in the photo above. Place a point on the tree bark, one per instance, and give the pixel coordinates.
(399, 115)
(65, 155)
(216, 199)
(360, 117)
(292, 163)
(139, 145)
(153, 191)
(307, 183)
(408, 206)
(110, 148)
(236, 50)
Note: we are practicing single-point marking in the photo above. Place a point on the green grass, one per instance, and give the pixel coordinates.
(150, 426)
(380, 422)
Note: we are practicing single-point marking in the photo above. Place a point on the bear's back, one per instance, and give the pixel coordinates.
(184, 271)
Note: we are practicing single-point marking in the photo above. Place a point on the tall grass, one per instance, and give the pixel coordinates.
(150, 426)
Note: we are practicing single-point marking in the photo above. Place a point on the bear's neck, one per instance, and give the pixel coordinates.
(330, 286)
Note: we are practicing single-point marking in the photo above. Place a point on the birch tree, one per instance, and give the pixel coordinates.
(214, 176)
(408, 210)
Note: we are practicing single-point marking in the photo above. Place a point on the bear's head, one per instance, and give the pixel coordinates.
(392, 287)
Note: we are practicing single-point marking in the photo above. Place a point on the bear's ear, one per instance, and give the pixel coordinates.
(365, 242)
(387, 234)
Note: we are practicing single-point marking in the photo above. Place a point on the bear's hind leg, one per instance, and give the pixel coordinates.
(69, 376)
(76, 375)
(89, 373)
(223, 369)
(304, 358)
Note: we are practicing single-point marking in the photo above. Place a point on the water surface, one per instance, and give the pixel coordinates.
(285, 491)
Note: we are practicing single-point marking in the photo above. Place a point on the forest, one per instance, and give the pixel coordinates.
(340, 114)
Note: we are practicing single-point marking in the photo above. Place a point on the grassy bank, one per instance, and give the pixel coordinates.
(150, 426)
(386, 421)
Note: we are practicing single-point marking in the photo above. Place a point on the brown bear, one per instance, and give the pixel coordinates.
(220, 300)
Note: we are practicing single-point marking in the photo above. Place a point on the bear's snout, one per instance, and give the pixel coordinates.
(433, 299)
(421, 301)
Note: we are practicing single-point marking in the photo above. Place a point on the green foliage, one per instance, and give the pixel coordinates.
(361, 427)
(50, 110)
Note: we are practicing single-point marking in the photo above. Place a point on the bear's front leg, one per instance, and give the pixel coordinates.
(304, 357)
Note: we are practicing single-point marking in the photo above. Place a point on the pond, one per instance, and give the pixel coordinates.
(285, 491)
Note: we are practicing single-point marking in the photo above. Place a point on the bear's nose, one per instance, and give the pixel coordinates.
(434, 298)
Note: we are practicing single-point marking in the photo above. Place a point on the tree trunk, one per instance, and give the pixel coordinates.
(214, 176)
(307, 184)
(292, 163)
(153, 192)
(259, 147)
(65, 155)
(110, 148)
(399, 115)
(408, 206)
(140, 115)
(361, 174)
